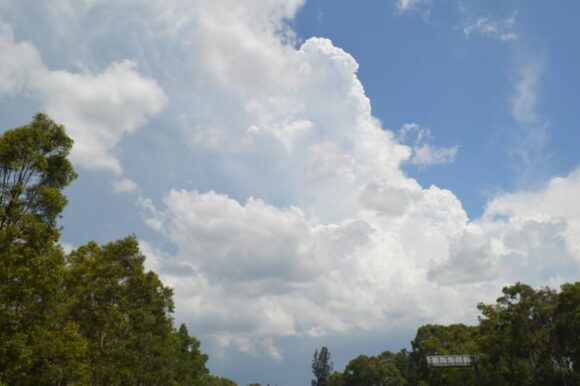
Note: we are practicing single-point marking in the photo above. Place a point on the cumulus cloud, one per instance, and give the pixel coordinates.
(429, 155)
(344, 255)
(360, 245)
(541, 249)
(556, 199)
(425, 154)
(471, 259)
(529, 235)
(100, 109)
(539, 230)
(18, 63)
(287, 275)
(97, 109)
(333, 262)
(124, 185)
(198, 220)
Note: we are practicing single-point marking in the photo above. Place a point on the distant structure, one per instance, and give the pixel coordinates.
(455, 361)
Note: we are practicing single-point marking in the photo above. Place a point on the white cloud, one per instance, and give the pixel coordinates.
(557, 199)
(67, 248)
(541, 248)
(331, 262)
(425, 154)
(337, 238)
(539, 230)
(502, 29)
(526, 97)
(360, 247)
(428, 155)
(124, 185)
(322, 266)
(199, 220)
(471, 259)
(289, 276)
(529, 146)
(18, 63)
(386, 200)
(407, 5)
(97, 109)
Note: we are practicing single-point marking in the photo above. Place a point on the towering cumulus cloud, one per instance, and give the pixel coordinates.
(358, 245)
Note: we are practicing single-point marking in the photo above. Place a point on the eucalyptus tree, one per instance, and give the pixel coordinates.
(516, 337)
(372, 371)
(321, 367)
(567, 333)
(443, 340)
(34, 170)
(124, 313)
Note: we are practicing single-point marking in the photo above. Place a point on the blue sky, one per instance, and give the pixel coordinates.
(421, 65)
(308, 173)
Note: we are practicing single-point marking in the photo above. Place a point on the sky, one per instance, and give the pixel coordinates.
(312, 172)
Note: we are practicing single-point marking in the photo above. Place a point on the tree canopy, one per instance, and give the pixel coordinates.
(321, 367)
(33, 171)
(92, 317)
(528, 337)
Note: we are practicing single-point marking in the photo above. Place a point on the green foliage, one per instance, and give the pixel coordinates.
(515, 337)
(567, 332)
(122, 311)
(528, 337)
(33, 171)
(218, 381)
(444, 340)
(62, 355)
(321, 367)
(190, 365)
(404, 363)
(95, 317)
(372, 371)
(336, 379)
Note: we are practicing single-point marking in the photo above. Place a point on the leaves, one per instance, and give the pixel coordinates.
(95, 317)
(372, 371)
(528, 337)
(124, 312)
(515, 335)
(321, 367)
(33, 171)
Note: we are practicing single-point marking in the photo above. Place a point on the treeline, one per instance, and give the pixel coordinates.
(94, 316)
(528, 337)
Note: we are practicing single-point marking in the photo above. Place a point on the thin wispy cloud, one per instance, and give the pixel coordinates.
(526, 98)
(532, 133)
(403, 6)
(500, 29)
